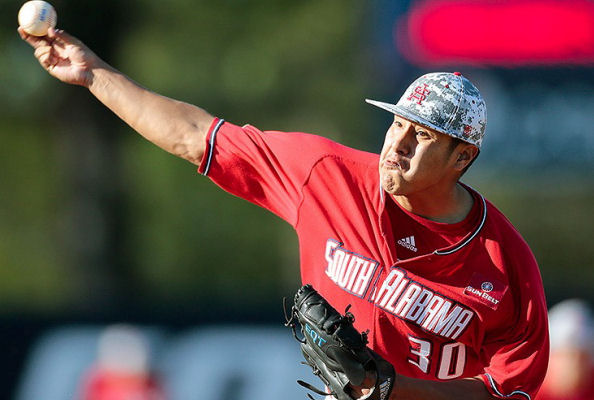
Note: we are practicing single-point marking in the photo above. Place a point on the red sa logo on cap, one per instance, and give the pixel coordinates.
(419, 93)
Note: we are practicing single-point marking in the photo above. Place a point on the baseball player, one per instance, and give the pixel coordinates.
(448, 289)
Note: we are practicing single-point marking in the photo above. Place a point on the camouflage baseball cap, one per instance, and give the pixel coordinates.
(446, 102)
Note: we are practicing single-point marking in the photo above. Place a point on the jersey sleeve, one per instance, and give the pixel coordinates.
(519, 355)
(267, 168)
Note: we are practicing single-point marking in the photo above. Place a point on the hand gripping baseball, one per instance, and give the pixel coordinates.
(63, 56)
(335, 350)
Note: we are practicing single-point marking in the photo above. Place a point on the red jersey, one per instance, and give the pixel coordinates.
(474, 306)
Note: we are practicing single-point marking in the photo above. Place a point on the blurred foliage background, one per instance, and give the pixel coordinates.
(97, 223)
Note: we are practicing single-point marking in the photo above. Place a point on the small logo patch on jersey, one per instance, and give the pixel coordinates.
(487, 291)
(409, 243)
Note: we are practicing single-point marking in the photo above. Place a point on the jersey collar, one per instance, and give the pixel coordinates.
(456, 246)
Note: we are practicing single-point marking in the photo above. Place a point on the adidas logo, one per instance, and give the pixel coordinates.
(408, 242)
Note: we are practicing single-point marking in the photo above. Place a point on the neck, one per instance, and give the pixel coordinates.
(449, 206)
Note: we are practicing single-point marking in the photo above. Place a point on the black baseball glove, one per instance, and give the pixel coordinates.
(335, 350)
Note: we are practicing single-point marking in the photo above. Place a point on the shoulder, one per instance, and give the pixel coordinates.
(318, 143)
(513, 256)
(506, 250)
(313, 148)
(499, 228)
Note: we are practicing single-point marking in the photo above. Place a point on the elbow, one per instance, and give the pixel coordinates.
(188, 153)
(192, 146)
(191, 138)
(187, 142)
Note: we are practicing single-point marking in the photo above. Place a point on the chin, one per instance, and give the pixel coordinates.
(392, 184)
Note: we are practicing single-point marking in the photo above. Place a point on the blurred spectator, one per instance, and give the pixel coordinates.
(571, 370)
(122, 370)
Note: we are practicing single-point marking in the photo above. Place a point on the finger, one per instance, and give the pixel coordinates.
(60, 36)
(34, 41)
(42, 55)
(45, 56)
(41, 50)
(22, 33)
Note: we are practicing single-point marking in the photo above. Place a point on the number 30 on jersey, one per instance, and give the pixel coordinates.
(451, 357)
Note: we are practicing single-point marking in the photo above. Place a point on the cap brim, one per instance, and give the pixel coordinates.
(394, 109)
(385, 106)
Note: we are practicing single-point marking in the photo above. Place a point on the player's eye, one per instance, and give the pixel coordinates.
(398, 124)
(423, 133)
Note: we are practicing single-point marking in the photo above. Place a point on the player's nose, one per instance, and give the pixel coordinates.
(401, 142)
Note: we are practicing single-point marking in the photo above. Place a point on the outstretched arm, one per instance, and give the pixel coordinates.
(175, 126)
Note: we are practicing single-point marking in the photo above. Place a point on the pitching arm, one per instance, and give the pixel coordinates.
(177, 127)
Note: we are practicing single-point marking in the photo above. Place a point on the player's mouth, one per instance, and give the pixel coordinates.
(395, 164)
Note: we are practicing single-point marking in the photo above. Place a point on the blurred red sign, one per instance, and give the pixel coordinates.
(504, 32)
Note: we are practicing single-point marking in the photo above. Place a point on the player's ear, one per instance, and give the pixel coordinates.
(466, 152)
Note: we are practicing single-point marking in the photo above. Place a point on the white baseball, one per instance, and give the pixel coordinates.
(36, 17)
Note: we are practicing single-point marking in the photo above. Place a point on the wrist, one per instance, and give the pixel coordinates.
(97, 76)
(102, 78)
(366, 389)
